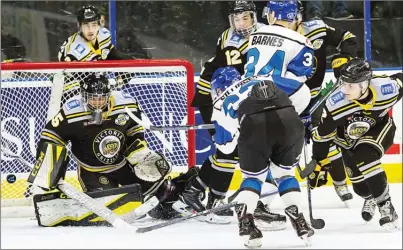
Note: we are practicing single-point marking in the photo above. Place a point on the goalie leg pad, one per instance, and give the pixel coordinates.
(57, 209)
(50, 166)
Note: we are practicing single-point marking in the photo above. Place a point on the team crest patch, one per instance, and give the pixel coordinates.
(72, 104)
(121, 120)
(107, 144)
(337, 97)
(235, 39)
(388, 89)
(317, 44)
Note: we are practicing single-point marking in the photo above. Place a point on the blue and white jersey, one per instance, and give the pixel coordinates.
(225, 117)
(283, 53)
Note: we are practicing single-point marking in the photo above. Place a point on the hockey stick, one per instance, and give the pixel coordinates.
(80, 197)
(150, 127)
(183, 218)
(316, 223)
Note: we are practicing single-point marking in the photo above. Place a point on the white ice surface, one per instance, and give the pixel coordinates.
(344, 229)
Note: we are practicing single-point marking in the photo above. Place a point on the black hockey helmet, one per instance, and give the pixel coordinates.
(239, 7)
(356, 70)
(88, 14)
(96, 91)
(242, 6)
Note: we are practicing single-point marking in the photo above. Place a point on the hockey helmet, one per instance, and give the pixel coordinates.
(222, 79)
(245, 8)
(356, 70)
(96, 91)
(88, 14)
(286, 10)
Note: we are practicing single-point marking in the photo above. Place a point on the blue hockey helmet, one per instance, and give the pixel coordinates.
(222, 79)
(286, 10)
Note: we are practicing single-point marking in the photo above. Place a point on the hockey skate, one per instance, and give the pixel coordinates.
(221, 217)
(345, 195)
(368, 209)
(251, 235)
(388, 217)
(268, 221)
(303, 229)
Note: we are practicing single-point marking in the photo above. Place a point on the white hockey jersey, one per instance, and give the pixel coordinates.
(279, 51)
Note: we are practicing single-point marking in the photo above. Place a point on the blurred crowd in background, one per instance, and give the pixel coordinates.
(35, 30)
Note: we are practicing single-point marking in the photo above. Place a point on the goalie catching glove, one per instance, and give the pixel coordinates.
(147, 165)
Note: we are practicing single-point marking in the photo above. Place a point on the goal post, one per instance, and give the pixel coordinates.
(31, 92)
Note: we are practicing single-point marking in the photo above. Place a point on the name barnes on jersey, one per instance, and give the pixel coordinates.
(267, 40)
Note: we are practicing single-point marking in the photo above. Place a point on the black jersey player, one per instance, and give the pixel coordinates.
(323, 36)
(356, 118)
(92, 42)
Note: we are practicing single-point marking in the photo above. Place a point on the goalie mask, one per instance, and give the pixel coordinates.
(222, 79)
(96, 92)
(355, 78)
(242, 18)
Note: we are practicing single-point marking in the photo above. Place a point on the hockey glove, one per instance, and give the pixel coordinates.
(318, 177)
(337, 63)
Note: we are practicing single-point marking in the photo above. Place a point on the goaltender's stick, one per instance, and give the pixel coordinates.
(184, 217)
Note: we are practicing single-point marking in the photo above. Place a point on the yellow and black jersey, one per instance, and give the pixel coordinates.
(231, 50)
(97, 148)
(346, 122)
(321, 36)
(76, 48)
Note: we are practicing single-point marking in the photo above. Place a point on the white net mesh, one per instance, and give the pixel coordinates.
(160, 90)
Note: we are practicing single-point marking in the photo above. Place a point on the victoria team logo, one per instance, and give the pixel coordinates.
(359, 126)
(107, 144)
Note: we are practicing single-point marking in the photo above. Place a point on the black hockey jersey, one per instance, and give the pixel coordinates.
(231, 50)
(321, 36)
(345, 122)
(96, 148)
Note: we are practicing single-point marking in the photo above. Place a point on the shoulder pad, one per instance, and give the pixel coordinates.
(77, 48)
(314, 27)
(74, 110)
(230, 38)
(104, 37)
(120, 100)
(74, 105)
(336, 100)
(384, 87)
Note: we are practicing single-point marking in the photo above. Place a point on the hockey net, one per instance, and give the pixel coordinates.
(32, 92)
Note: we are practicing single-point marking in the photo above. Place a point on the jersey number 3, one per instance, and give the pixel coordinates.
(233, 57)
